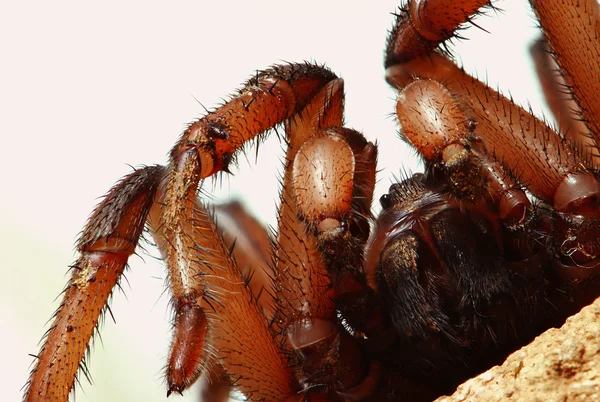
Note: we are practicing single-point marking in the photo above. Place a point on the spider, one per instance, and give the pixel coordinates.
(349, 222)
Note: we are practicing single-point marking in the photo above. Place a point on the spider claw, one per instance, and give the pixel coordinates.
(174, 388)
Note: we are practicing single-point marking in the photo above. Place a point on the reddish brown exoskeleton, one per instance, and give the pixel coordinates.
(460, 268)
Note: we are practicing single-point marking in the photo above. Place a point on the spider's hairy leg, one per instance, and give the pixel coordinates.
(551, 168)
(498, 121)
(321, 197)
(207, 147)
(303, 293)
(109, 238)
(422, 25)
(572, 29)
(433, 122)
(217, 318)
(342, 228)
(252, 249)
(190, 355)
(521, 142)
(560, 101)
(334, 177)
(512, 136)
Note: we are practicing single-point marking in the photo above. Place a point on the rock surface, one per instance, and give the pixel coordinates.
(559, 365)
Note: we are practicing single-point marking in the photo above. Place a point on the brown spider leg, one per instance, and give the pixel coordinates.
(521, 142)
(304, 293)
(222, 322)
(561, 102)
(441, 132)
(215, 386)
(572, 29)
(551, 167)
(205, 148)
(252, 250)
(421, 25)
(109, 238)
(339, 164)
(333, 179)
(304, 296)
(337, 206)
(342, 229)
(189, 355)
(251, 247)
(303, 285)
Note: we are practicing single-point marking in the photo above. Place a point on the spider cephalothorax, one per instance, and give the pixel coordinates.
(458, 270)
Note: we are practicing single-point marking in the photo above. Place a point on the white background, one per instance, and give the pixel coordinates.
(87, 89)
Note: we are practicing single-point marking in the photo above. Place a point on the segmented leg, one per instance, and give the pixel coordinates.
(107, 241)
(517, 140)
(553, 169)
(188, 235)
(217, 318)
(252, 248)
(561, 102)
(319, 199)
(572, 28)
(423, 24)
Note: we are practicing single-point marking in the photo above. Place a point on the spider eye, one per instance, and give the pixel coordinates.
(385, 201)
